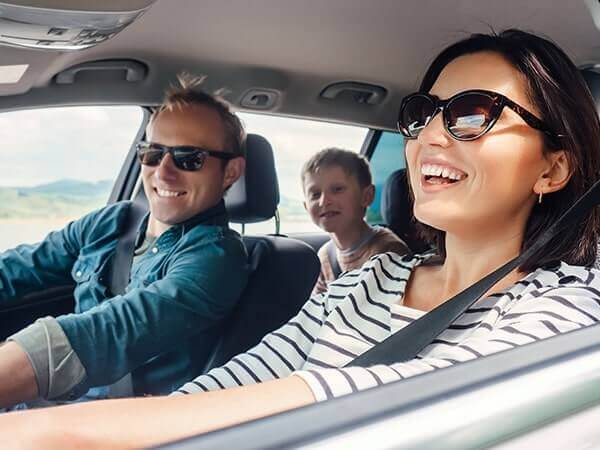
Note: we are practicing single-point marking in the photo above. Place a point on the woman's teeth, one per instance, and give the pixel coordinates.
(444, 172)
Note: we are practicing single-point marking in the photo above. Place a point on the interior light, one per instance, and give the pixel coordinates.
(27, 24)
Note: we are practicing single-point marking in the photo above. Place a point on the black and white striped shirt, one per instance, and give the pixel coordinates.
(364, 307)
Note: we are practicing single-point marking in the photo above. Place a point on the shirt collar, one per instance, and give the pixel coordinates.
(215, 215)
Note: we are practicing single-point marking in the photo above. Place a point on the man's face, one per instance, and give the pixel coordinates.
(176, 195)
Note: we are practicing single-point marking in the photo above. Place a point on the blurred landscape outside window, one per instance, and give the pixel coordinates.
(59, 164)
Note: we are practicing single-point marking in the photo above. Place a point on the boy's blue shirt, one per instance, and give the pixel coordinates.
(165, 324)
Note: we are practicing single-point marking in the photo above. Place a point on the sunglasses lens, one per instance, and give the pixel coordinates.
(415, 114)
(149, 156)
(188, 159)
(469, 116)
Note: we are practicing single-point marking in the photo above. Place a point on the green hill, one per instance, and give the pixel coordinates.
(63, 198)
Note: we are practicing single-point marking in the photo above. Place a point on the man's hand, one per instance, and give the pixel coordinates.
(17, 378)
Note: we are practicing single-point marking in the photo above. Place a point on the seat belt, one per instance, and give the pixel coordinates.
(333, 260)
(119, 276)
(407, 342)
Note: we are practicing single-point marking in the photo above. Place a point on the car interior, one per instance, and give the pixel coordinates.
(341, 61)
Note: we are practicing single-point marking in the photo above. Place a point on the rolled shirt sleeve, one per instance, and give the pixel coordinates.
(56, 366)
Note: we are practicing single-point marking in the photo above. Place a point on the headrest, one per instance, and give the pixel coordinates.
(255, 196)
(396, 210)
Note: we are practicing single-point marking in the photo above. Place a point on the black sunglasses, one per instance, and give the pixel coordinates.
(467, 115)
(185, 157)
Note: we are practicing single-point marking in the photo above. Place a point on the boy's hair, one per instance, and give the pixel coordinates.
(188, 94)
(352, 163)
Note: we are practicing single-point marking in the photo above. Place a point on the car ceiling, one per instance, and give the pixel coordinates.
(294, 47)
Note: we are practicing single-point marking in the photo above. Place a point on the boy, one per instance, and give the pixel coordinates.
(338, 188)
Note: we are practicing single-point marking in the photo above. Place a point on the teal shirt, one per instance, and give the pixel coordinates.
(167, 322)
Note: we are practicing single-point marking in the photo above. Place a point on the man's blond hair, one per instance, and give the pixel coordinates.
(187, 93)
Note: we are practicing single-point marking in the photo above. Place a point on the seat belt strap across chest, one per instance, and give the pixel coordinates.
(333, 259)
(119, 279)
(407, 342)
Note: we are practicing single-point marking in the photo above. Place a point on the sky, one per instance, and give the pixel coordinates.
(85, 143)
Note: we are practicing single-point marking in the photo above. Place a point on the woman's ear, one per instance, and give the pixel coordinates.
(556, 176)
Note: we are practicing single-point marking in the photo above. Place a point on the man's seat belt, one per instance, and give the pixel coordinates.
(120, 275)
(406, 343)
(333, 260)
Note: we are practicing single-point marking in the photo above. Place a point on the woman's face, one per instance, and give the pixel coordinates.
(496, 172)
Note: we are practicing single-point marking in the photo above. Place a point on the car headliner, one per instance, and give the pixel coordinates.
(295, 47)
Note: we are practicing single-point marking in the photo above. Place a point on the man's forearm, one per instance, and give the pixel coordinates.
(17, 378)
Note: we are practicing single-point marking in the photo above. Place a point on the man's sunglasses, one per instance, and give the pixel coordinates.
(467, 115)
(185, 157)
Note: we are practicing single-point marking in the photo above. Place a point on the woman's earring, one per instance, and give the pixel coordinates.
(540, 197)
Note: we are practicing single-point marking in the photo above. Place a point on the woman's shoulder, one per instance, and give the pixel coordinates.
(390, 264)
(564, 283)
(379, 268)
(403, 261)
(565, 274)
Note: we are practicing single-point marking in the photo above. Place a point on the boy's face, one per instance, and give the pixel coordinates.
(335, 200)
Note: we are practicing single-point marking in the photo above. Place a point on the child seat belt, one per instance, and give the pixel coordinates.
(333, 261)
(406, 343)
(119, 278)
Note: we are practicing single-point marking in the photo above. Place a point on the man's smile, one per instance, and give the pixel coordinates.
(168, 193)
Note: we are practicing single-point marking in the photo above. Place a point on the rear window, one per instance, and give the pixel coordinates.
(294, 141)
(388, 156)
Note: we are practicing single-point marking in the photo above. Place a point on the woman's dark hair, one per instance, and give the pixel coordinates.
(565, 104)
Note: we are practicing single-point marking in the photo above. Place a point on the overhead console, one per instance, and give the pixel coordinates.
(65, 24)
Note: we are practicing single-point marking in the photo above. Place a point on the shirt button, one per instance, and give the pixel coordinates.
(155, 250)
(78, 273)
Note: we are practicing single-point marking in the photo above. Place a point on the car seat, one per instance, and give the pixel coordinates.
(396, 210)
(284, 270)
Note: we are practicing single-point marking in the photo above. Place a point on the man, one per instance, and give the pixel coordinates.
(188, 269)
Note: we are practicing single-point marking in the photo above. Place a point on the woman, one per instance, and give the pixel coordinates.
(506, 155)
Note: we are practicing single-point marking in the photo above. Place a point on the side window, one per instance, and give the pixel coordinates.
(58, 164)
(388, 156)
(294, 141)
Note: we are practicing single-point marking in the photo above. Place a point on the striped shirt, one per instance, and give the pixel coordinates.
(364, 307)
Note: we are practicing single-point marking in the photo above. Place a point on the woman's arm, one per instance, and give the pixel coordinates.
(134, 423)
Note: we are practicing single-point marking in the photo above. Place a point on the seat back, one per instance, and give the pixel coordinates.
(284, 273)
(284, 270)
(397, 210)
